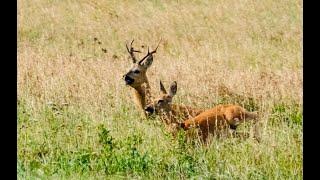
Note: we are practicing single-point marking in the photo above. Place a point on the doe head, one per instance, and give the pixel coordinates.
(162, 104)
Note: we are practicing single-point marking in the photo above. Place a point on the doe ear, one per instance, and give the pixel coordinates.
(173, 88)
(162, 89)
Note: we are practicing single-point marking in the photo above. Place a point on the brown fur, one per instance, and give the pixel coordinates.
(218, 120)
(137, 79)
(168, 112)
(142, 96)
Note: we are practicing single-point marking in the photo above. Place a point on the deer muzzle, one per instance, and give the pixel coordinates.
(128, 80)
(149, 110)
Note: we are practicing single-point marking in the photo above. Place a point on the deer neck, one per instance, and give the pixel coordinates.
(178, 113)
(185, 112)
(142, 95)
(168, 117)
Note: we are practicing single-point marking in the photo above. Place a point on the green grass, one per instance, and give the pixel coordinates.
(62, 149)
(77, 120)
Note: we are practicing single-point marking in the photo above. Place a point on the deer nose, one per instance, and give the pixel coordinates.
(128, 80)
(149, 109)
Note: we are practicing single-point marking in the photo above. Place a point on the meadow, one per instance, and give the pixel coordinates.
(76, 118)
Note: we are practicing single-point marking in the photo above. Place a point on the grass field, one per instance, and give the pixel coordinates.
(76, 117)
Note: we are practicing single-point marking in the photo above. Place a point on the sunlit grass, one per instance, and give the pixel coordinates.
(72, 101)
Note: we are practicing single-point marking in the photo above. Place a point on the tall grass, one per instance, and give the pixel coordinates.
(76, 117)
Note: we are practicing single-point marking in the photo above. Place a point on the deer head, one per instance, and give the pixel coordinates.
(136, 76)
(162, 104)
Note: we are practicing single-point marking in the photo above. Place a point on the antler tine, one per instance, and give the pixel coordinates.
(155, 50)
(127, 48)
(150, 53)
(132, 47)
(131, 51)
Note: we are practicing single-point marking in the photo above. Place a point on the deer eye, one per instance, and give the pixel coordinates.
(160, 101)
(136, 71)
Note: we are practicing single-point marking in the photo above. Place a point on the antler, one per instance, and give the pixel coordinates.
(150, 53)
(131, 51)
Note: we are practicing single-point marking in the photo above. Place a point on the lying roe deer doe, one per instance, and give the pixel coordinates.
(215, 120)
(137, 79)
(218, 120)
(170, 113)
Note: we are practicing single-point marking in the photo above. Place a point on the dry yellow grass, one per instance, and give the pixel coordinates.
(253, 48)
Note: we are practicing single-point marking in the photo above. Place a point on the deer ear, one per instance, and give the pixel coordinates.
(173, 88)
(147, 62)
(162, 89)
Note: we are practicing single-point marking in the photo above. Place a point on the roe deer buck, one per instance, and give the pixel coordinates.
(218, 120)
(170, 113)
(137, 79)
